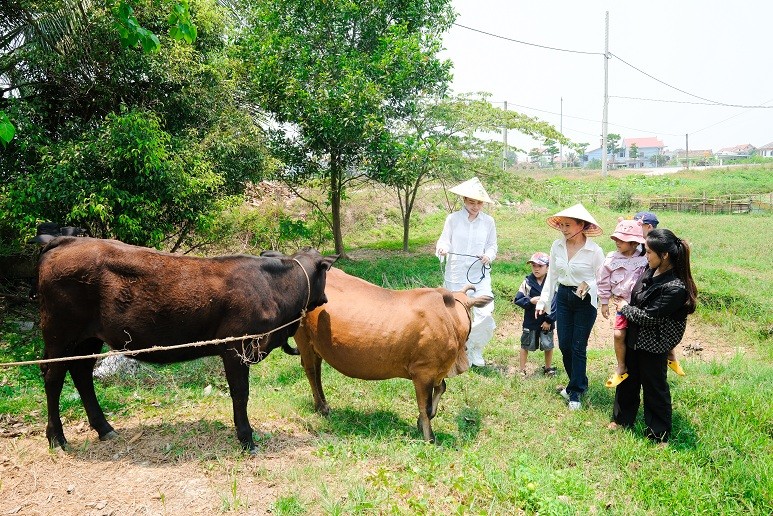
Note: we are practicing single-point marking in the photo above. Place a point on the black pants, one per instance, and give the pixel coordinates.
(647, 372)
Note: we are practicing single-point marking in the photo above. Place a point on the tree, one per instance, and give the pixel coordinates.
(633, 151)
(440, 139)
(551, 149)
(612, 146)
(581, 149)
(659, 160)
(57, 26)
(333, 74)
(81, 111)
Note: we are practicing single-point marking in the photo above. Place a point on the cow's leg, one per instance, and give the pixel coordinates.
(312, 366)
(424, 398)
(238, 375)
(53, 381)
(437, 392)
(82, 373)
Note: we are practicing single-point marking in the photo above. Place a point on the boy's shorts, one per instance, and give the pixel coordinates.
(531, 340)
(621, 322)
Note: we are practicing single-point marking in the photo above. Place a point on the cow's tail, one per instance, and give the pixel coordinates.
(477, 301)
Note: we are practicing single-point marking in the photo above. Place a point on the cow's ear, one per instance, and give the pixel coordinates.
(328, 261)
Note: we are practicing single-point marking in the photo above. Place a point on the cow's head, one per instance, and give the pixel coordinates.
(315, 267)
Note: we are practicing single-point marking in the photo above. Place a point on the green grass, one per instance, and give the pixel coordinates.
(505, 445)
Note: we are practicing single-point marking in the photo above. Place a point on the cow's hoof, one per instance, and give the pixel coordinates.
(109, 436)
(57, 444)
(250, 448)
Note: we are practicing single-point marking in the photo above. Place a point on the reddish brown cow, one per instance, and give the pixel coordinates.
(93, 291)
(372, 333)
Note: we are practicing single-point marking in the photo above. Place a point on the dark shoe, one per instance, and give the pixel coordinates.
(549, 371)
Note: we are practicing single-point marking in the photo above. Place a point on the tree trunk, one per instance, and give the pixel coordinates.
(410, 199)
(335, 203)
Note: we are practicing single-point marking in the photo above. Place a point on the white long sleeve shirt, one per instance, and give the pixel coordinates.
(582, 267)
(473, 237)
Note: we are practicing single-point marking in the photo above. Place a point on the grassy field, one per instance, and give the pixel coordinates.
(506, 445)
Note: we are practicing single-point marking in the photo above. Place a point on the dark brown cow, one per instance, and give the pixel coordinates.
(372, 333)
(93, 291)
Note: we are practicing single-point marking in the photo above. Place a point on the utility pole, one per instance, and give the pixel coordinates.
(561, 130)
(606, 99)
(504, 144)
(687, 149)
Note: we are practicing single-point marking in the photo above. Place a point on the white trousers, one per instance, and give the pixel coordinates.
(482, 332)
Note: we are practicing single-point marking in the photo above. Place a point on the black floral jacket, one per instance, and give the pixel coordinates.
(657, 316)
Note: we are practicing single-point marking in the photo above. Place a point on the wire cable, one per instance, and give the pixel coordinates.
(711, 102)
(527, 43)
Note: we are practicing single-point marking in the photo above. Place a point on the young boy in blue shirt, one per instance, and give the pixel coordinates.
(537, 331)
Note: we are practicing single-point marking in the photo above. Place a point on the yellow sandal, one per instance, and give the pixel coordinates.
(615, 380)
(674, 365)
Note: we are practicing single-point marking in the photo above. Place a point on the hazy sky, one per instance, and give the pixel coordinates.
(721, 51)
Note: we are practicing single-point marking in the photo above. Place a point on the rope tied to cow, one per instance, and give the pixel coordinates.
(483, 267)
(247, 358)
(132, 352)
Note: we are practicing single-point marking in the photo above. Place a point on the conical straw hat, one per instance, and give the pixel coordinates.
(579, 212)
(472, 189)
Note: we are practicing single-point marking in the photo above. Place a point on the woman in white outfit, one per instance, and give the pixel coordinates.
(469, 243)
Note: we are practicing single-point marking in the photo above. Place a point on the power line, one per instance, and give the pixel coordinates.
(728, 118)
(591, 120)
(687, 102)
(707, 102)
(527, 43)
(711, 102)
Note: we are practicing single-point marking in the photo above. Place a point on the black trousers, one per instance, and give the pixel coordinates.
(646, 372)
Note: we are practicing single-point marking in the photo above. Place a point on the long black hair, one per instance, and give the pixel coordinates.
(662, 241)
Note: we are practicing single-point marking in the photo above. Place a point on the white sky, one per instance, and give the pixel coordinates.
(718, 50)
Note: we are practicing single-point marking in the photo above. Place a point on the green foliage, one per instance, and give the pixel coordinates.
(334, 74)
(270, 227)
(148, 150)
(439, 138)
(130, 32)
(127, 178)
(7, 129)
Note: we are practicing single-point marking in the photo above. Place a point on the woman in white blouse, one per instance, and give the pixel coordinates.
(574, 261)
(469, 243)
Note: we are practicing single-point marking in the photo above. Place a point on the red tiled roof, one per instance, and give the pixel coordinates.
(766, 147)
(650, 141)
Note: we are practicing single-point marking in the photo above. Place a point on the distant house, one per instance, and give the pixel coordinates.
(697, 157)
(766, 151)
(645, 149)
(736, 152)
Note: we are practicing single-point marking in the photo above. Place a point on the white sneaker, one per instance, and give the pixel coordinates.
(564, 394)
(574, 405)
(478, 361)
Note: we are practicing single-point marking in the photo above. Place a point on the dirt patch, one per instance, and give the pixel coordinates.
(145, 472)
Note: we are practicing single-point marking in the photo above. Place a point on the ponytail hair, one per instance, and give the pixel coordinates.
(663, 241)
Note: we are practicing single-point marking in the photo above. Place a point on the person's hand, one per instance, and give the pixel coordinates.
(545, 326)
(441, 251)
(582, 289)
(534, 300)
(538, 312)
(605, 311)
(484, 259)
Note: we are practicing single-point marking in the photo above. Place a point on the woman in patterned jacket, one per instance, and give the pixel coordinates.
(662, 299)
